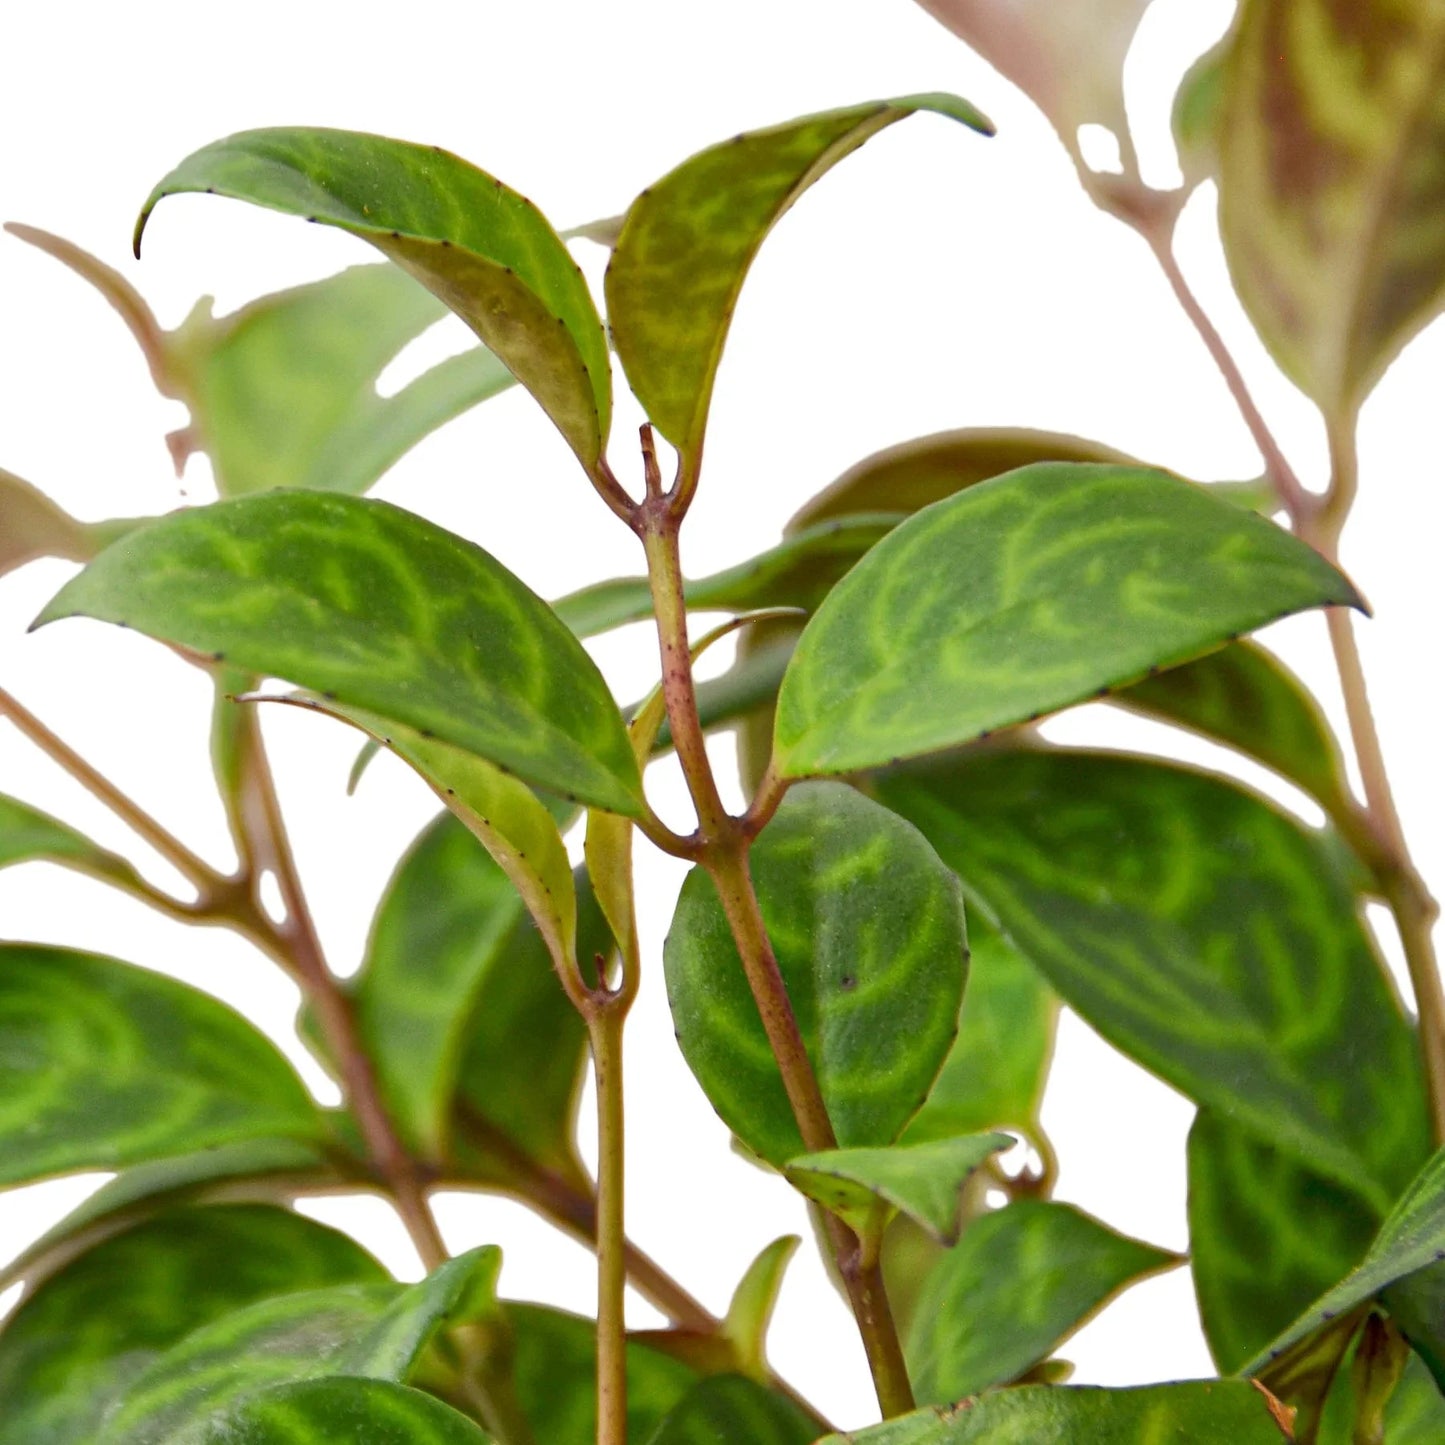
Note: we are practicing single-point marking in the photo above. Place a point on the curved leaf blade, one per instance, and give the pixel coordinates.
(376, 609)
(485, 250)
(687, 242)
(103, 1064)
(734, 1408)
(1025, 594)
(28, 835)
(1035, 1271)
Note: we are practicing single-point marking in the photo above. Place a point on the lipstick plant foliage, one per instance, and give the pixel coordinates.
(865, 966)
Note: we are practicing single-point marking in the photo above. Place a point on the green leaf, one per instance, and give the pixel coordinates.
(750, 1311)
(1417, 1306)
(326, 1411)
(727, 1408)
(1023, 595)
(868, 929)
(1266, 1236)
(1332, 133)
(79, 1339)
(103, 1064)
(1244, 696)
(688, 240)
(283, 391)
(28, 835)
(1412, 1238)
(995, 1073)
(1203, 1412)
(32, 526)
(1198, 107)
(485, 250)
(1034, 1271)
(388, 613)
(255, 1167)
(1187, 920)
(924, 1181)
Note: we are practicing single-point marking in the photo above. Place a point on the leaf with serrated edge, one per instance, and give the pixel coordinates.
(1023, 595)
(103, 1064)
(687, 242)
(84, 1334)
(924, 1181)
(379, 610)
(734, 1408)
(1189, 947)
(485, 250)
(1036, 1271)
(1331, 140)
(868, 928)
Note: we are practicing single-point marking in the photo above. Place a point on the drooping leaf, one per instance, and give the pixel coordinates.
(687, 242)
(924, 1181)
(485, 250)
(77, 1342)
(1203, 1412)
(1332, 133)
(1023, 595)
(1266, 1236)
(103, 1064)
(868, 930)
(381, 609)
(321, 1412)
(727, 1408)
(28, 835)
(1034, 1271)
(1186, 920)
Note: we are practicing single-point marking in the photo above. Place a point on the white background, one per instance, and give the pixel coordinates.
(935, 280)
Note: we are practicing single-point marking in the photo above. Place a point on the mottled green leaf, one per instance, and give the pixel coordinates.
(868, 929)
(688, 240)
(1019, 1282)
(385, 611)
(995, 1073)
(32, 526)
(730, 1410)
(924, 1181)
(1266, 1236)
(75, 1343)
(1203, 1412)
(1330, 178)
(327, 1411)
(28, 835)
(485, 250)
(103, 1064)
(1025, 594)
(283, 391)
(1245, 697)
(1193, 924)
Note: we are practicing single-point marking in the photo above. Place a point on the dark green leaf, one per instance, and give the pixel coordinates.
(867, 926)
(283, 391)
(1023, 595)
(88, 1330)
(731, 1410)
(328, 1411)
(1019, 1282)
(28, 835)
(1203, 1412)
(924, 1181)
(383, 610)
(103, 1064)
(1189, 921)
(687, 242)
(1417, 1305)
(1331, 145)
(482, 248)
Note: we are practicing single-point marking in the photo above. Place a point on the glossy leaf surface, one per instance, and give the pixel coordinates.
(322, 1412)
(1332, 137)
(867, 925)
(687, 242)
(80, 1339)
(1190, 947)
(103, 1064)
(1025, 594)
(1201, 1413)
(383, 610)
(1035, 1271)
(733, 1408)
(485, 250)
(28, 835)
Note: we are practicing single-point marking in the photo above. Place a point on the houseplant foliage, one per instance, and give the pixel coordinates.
(865, 966)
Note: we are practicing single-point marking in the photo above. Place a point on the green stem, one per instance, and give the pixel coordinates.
(604, 1028)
